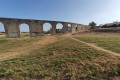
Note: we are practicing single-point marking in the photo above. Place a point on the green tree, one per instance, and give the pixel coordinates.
(92, 25)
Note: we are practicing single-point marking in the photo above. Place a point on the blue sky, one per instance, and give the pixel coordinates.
(78, 11)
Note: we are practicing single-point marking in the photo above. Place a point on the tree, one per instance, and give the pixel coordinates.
(92, 25)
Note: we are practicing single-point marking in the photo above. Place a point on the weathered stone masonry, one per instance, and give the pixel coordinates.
(12, 29)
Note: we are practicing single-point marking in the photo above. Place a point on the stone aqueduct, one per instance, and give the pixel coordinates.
(12, 29)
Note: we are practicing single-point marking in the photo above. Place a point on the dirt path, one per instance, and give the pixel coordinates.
(96, 47)
(41, 43)
(27, 48)
(2, 35)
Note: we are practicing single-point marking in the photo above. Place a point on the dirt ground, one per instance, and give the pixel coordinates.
(2, 35)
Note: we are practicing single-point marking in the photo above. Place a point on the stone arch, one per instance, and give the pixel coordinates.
(2, 28)
(69, 27)
(24, 29)
(47, 28)
(79, 27)
(59, 28)
(76, 27)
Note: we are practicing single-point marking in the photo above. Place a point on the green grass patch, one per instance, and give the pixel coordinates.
(110, 43)
(3, 41)
(63, 60)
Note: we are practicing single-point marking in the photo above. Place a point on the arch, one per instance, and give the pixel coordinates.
(59, 28)
(76, 27)
(47, 27)
(24, 29)
(69, 28)
(69, 25)
(2, 29)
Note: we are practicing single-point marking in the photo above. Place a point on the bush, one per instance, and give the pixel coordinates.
(92, 25)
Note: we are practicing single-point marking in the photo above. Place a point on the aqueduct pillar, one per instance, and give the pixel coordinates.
(36, 28)
(74, 28)
(12, 29)
(53, 31)
(65, 28)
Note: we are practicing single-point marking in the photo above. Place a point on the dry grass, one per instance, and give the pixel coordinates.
(19, 46)
(63, 60)
(107, 41)
(57, 58)
(96, 34)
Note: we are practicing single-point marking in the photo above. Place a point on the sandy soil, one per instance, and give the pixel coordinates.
(2, 35)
